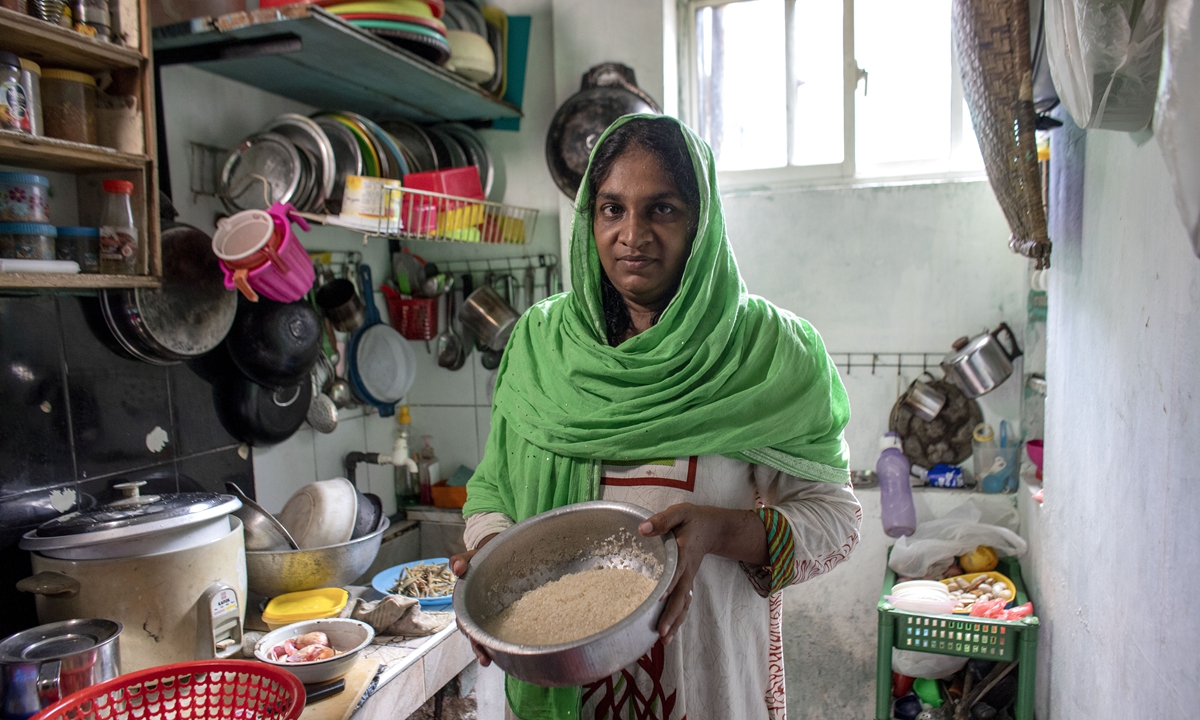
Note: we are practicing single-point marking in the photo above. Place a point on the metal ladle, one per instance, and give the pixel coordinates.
(449, 344)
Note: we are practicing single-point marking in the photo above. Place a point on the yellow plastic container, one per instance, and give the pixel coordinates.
(305, 605)
(993, 578)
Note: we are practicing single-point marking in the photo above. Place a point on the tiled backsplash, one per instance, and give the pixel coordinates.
(76, 416)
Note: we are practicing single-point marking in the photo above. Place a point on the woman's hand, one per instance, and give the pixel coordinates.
(459, 564)
(700, 530)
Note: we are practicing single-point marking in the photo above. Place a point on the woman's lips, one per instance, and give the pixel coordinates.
(635, 262)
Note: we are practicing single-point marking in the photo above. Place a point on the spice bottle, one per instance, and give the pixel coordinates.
(118, 234)
(429, 470)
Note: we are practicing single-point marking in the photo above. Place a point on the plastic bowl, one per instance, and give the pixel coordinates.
(348, 637)
(385, 580)
(1034, 448)
(993, 578)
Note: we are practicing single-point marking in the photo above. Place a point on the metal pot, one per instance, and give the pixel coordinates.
(340, 302)
(924, 401)
(42, 665)
(489, 318)
(979, 364)
(257, 415)
(274, 573)
(275, 344)
(608, 91)
(546, 547)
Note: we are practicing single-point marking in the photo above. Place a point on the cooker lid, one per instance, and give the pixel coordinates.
(133, 516)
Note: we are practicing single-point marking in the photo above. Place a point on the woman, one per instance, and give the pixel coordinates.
(659, 381)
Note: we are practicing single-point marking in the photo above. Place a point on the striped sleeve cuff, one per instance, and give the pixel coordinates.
(781, 547)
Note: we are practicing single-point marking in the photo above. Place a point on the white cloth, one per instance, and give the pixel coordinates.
(731, 637)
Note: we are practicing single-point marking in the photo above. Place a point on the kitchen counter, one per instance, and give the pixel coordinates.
(415, 669)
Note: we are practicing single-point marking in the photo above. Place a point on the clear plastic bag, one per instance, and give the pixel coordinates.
(1177, 114)
(1105, 56)
(936, 542)
(926, 665)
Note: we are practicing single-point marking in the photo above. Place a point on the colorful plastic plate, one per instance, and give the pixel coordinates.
(370, 155)
(415, 8)
(428, 23)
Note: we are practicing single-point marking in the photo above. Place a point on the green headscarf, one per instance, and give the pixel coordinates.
(721, 373)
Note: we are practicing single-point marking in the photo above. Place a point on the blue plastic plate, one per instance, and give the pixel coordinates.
(385, 580)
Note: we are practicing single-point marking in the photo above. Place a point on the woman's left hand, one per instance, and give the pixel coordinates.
(700, 530)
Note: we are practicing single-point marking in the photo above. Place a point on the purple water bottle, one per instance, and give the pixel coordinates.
(895, 492)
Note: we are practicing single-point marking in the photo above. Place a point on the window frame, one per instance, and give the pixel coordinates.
(837, 174)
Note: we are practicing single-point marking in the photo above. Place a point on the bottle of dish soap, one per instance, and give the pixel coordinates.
(430, 470)
(407, 483)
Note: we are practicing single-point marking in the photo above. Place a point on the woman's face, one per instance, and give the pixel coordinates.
(643, 229)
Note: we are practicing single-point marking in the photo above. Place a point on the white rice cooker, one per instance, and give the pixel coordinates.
(171, 568)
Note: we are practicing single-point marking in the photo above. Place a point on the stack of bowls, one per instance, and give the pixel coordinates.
(414, 25)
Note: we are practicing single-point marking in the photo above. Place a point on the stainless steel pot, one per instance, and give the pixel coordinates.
(979, 364)
(274, 573)
(489, 318)
(546, 547)
(924, 400)
(42, 665)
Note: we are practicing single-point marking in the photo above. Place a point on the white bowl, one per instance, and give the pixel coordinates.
(321, 514)
(348, 637)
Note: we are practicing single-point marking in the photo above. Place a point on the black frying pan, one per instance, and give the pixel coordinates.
(275, 344)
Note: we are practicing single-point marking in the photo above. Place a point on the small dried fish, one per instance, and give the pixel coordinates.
(425, 580)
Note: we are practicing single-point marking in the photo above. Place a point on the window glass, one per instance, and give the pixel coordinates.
(902, 110)
(820, 84)
(741, 83)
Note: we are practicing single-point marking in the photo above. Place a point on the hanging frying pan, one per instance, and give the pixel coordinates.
(608, 91)
(380, 362)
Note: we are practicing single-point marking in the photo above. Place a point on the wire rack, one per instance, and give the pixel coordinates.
(880, 363)
(410, 214)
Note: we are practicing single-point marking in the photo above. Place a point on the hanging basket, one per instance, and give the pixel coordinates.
(992, 41)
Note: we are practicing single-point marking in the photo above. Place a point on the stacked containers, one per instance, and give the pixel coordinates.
(27, 241)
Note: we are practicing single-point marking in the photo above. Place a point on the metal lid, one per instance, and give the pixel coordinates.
(966, 346)
(58, 640)
(131, 517)
(264, 169)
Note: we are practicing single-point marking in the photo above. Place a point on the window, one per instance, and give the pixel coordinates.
(827, 88)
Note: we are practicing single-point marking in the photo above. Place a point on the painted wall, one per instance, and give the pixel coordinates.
(1114, 545)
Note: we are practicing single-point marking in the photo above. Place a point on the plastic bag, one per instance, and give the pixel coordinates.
(1104, 56)
(936, 542)
(994, 609)
(926, 665)
(1177, 114)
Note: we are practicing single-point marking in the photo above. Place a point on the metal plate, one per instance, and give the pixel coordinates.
(307, 134)
(347, 157)
(454, 150)
(416, 141)
(477, 153)
(263, 170)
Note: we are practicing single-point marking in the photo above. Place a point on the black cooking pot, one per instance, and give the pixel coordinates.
(260, 416)
(607, 92)
(275, 344)
(188, 315)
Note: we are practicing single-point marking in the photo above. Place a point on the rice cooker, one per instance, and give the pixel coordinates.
(171, 568)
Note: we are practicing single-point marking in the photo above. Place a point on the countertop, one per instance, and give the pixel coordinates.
(413, 670)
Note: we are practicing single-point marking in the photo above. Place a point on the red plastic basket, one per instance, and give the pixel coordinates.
(202, 690)
(414, 318)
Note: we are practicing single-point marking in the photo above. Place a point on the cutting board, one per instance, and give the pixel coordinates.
(340, 706)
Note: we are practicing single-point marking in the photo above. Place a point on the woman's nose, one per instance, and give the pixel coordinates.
(636, 232)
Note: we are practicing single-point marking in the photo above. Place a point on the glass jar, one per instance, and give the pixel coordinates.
(27, 241)
(31, 80)
(81, 244)
(14, 102)
(118, 233)
(69, 105)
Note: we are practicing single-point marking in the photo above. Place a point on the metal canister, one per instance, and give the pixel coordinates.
(14, 102)
(42, 665)
(31, 80)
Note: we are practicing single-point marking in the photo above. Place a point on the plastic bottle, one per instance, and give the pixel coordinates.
(899, 515)
(118, 234)
(408, 491)
(430, 470)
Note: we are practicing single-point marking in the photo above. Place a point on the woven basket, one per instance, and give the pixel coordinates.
(992, 39)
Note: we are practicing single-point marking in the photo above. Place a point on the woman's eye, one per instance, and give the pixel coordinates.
(610, 210)
(664, 209)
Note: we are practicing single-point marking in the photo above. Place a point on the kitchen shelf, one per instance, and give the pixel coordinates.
(61, 155)
(81, 281)
(54, 46)
(307, 54)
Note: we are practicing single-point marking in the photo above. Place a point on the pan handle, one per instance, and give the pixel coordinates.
(368, 293)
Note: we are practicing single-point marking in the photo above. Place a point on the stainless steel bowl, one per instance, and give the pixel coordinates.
(271, 573)
(263, 531)
(546, 547)
(348, 637)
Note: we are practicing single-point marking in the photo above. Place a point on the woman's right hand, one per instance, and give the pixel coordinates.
(459, 564)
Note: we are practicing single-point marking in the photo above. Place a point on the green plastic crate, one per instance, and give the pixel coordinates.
(961, 635)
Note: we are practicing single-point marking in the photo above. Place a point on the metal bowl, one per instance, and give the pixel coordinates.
(272, 573)
(546, 547)
(348, 637)
(263, 531)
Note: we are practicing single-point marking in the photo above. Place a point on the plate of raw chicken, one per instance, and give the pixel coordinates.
(315, 650)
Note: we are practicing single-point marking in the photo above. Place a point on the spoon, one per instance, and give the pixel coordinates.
(322, 411)
(337, 389)
(449, 344)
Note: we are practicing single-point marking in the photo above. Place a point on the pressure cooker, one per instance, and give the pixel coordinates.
(978, 365)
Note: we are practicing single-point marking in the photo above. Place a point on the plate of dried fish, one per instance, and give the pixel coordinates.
(429, 581)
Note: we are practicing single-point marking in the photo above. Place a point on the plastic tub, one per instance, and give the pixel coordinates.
(81, 244)
(69, 105)
(24, 198)
(305, 605)
(27, 241)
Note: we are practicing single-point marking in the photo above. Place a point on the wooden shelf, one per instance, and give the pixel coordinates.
(75, 282)
(307, 54)
(54, 46)
(60, 155)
